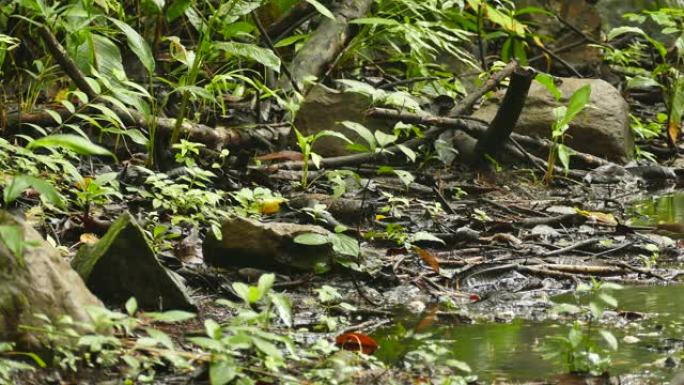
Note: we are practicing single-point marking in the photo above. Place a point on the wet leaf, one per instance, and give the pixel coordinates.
(357, 342)
(428, 258)
(609, 338)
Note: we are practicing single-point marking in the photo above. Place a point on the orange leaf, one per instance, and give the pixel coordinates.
(673, 132)
(428, 319)
(282, 155)
(428, 258)
(89, 238)
(357, 342)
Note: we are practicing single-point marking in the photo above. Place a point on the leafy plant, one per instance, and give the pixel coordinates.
(563, 115)
(306, 143)
(579, 351)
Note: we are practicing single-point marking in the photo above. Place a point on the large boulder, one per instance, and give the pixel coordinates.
(39, 281)
(602, 129)
(122, 265)
(250, 243)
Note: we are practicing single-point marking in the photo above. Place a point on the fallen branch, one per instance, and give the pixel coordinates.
(466, 104)
(325, 42)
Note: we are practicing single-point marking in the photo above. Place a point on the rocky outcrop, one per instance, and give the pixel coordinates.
(35, 279)
(601, 129)
(122, 265)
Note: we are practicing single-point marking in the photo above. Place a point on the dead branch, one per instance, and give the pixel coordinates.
(501, 127)
(326, 42)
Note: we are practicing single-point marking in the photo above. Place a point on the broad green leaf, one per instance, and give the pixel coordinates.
(425, 236)
(345, 245)
(406, 177)
(137, 44)
(267, 347)
(20, 183)
(73, 143)
(321, 9)
(171, 316)
(312, 239)
(290, 40)
(242, 291)
(407, 151)
(213, 329)
(265, 284)
(547, 81)
(384, 139)
(363, 132)
(251, 51)
(221, 372)
(13, 238)
(131, 306)
(577, 102)
(375, 21)
(564, 153)
(610, 339)
(282, 304)
(177, 9)
(334, 134)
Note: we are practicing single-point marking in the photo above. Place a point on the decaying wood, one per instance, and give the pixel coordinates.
(326, 42)
(501, 127)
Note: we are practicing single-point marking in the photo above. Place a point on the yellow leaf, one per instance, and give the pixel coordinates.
(89, 238)
(271, 206)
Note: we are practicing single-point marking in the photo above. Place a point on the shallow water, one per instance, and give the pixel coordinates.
(514, 350)
(667, 208)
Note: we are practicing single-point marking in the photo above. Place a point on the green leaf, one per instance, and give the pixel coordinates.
(408, 152)
(221, 372)
(131, 306)
(20, 183)
(137, 44)
(547, 81)
(282, 304)
(171, 316)
(266, 347)
(265, 284)
(610, 339)
(213, 329)
(345, 245)
(312, 239)
(75, 143)
(253, 52)
(177, 9)
(384, 139)
(363, 132)
(375, 21)
(13, 238)
(577, 102)
(424, 236)
(321, 9)
(406, 177)
(242, 291)
(564, 153)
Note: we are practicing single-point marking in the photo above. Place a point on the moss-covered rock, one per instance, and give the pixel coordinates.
(250, 243)
(39, 281)
(122, 265)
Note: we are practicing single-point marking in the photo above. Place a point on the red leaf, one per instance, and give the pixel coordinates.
(282, 155)
(357, 342)
(475, 298)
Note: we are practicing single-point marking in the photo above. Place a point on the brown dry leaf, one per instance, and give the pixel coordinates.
(282, 155)
(430, 315)
(673, 131)
(88, 238)
(428, 258)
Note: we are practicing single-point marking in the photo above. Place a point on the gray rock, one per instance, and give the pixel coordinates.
(122, 265)
(324, 108)
(250, 243)
(602, 129)
(39, 281)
